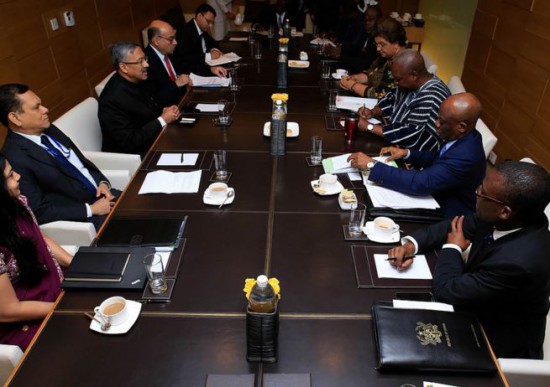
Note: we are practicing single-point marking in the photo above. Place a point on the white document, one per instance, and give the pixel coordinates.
(171, 182)
(225, 58)
(418, 270)
(321, 42)
(385, 197)
(354, 176)
(207, 107)
(178, 159)
(434, 384)
(238, 39)
(429, 305)
(208, 81)
(338, 164)
(354, 103)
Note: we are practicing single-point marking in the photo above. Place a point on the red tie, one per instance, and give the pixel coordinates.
(169, 67)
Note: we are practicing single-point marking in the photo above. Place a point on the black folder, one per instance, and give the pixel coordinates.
(429, 341)
(155, 232)
(107, 268)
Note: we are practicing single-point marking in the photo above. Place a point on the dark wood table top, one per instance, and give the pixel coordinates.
(277, 225)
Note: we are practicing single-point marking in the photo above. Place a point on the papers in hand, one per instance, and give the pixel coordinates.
(338, 164)
(354, 103)
(208, 81)
(418, 270)
(171, 182)
(178, 159)
(225, 58)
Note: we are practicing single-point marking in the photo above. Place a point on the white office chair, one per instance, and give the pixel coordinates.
(430, 65)
(101, 85)
(81, 124)
(9, 357)
(455, 85)
(527, 372)
(70, 233)
(487, 137)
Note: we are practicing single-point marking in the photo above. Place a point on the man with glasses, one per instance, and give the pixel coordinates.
(196, 45)
(495, 263)
(167, 79)
(451, 174)
(130, 118)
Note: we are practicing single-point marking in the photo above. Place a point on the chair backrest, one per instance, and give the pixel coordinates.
(101, 85)
(81, 124)
(547, 340)
(488, 138)
(430, 65)
(9, 357)
(145, 37)
(455, 85)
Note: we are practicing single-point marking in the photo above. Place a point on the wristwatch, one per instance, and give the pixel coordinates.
(370, 127)
(371, 164)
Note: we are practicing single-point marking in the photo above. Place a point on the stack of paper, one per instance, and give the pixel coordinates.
(338, 164)
(321, 42)
(418, 270)
(385, 197)
(207, 107)
(209, 81)
(354, 103)
(238, 39)
(171, 182)
(225, 58)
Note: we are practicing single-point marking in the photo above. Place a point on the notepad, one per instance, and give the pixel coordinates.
(178, 159)
(224, 59)
(354, 103)
(418, 270)
(97, 266)
(171, 182)
(208, 81)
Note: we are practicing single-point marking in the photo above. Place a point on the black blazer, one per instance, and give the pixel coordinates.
(189, 48)
(159, 85)
(128, 117)
(53, 193)
(507, 283)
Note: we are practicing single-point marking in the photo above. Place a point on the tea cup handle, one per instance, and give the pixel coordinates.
(395, 228)
(96, 310)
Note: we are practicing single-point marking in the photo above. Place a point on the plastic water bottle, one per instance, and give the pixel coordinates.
(262, 296)
(282, 75)
(286, 29)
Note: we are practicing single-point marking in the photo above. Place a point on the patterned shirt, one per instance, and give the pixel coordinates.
(412, 115)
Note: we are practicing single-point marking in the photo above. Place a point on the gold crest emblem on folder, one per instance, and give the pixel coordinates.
(428, 333)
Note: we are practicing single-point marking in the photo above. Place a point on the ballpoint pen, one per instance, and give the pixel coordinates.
(406, 258)
(182, 158)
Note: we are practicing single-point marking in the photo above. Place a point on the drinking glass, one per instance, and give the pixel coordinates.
(223, 111)
(258, 50)
(155, 273)
(316, 149)
(356, 218)
(332, 95)
(220, 164)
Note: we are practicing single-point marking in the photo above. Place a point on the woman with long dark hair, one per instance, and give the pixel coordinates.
(30, 275)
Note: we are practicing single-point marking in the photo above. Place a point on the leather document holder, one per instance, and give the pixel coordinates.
(413, 215)
(421, 340)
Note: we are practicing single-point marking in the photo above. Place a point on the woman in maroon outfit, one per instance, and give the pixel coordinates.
(30, 275)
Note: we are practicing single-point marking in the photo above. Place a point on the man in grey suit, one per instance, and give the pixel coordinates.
(59, 182)
(505, 278)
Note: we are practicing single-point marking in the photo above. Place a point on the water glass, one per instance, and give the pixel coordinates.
(356, 219)
(156, 273)
(223, 111)
(332, 95)
(316, 150)
(220, 162)
(325, 69)
(233, 86)
(258, 50)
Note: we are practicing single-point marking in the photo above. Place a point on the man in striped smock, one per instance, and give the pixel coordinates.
(408, 112)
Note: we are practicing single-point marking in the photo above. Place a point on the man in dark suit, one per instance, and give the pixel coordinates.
(195, 44)
(165, 81)
(59, 182)
(505, 278)
(130, 119)
(452, 174)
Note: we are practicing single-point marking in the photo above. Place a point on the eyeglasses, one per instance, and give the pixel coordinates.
(480, 195)
(170, 38)
(139, 61)
(209, 21)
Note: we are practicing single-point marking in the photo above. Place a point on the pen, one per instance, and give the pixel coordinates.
(406, 258)
(182, 158)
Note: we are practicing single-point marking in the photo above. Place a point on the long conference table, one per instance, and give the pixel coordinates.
(276, 226)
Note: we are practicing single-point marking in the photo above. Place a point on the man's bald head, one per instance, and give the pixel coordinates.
(458, 115)
(411, 60)
(162, 36)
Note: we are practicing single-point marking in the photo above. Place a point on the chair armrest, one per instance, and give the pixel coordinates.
(108, 160)
(71, 249)
(118, 178)
(9, 357)
(70, 233)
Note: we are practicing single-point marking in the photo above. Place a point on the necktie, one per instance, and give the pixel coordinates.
(69, 167)
(203, 43)
(169, 67)
(444, 149)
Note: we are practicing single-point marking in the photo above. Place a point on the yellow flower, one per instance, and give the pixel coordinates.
(283, 40)
(279, 96)
(250, 282)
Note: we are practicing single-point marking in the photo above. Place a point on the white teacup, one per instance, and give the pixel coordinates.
(239, 19)
(218, 190)
(327, 180)
(113, 310)
(341, 72)
(394, 15)
(418, 16)
(383, 227)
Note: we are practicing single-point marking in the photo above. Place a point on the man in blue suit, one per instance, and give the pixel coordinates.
(451, 174)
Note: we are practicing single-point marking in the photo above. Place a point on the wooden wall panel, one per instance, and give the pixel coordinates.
(63, 67)
(514, 82)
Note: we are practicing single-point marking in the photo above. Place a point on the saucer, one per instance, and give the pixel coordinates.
(207, 199)
(133, 313)
(337, 187)
(336, 76)
(367, 229)
(292, 129)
